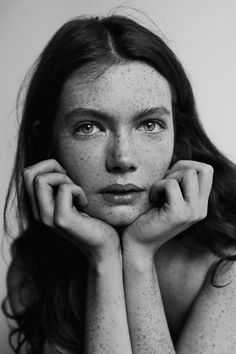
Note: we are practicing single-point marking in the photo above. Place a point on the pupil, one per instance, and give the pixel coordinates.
(87, 128)
(150, 125)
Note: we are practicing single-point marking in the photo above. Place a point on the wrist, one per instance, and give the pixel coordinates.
(106, 263)
(138, 258)
(132, 246)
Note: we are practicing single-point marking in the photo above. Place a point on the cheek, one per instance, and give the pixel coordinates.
(82, 166)
(158, 160)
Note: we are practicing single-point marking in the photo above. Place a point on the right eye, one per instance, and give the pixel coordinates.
(86, 129)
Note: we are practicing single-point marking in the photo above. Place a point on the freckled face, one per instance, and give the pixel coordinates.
(117, 128)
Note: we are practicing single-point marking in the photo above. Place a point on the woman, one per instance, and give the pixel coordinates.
(126, 240)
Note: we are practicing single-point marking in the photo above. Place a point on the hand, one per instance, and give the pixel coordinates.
(57, 202)
(186, 190)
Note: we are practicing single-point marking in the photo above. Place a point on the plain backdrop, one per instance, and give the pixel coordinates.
(201, 32)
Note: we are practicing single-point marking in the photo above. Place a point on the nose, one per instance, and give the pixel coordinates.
(121, 156)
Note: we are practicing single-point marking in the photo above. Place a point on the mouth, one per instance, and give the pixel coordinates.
(121, 188)
(121, 194)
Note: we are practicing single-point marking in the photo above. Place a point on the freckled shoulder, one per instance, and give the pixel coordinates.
(211, 324)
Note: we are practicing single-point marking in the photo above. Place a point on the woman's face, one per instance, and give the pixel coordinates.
(116, 129)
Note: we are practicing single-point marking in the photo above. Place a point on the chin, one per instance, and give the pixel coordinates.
(119, 220)
(119, 216)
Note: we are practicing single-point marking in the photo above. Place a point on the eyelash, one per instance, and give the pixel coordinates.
(160, 123)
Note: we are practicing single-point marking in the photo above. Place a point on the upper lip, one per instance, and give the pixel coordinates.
(116, 188)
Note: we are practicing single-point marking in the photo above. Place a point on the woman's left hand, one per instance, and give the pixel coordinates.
(186, 189)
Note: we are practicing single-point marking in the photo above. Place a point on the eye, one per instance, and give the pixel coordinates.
(86, 129)
(152, 126)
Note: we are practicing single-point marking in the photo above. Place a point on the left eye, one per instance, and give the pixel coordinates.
(86, 129)
(150, 126)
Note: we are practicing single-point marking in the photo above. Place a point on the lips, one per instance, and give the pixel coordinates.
(121, 188)
(121, 194)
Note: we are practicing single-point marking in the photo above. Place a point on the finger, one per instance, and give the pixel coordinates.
(189, 184)
(184, 164)
(205, 175)
(30, 193)
(171, 189)
(44, 186)
(65, 211)
(29, 174)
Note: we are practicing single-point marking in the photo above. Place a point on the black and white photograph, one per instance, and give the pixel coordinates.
(118, 177)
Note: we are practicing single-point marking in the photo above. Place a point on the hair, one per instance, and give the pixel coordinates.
(97, 43)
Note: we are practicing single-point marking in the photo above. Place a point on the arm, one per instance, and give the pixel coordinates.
(148, 325)
(106, 321)
(186, 189)
(58, 203)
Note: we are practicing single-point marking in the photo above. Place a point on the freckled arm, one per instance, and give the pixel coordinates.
(106, 328)
(147, 321)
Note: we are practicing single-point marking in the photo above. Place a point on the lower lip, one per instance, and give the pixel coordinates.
(121, 198)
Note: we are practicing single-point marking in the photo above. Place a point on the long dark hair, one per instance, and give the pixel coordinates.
(53, 271)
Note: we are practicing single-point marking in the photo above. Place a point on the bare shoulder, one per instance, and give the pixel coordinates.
(211, 323)
(20, 296)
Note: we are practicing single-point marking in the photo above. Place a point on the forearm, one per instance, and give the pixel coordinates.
(106, 327)
(147, 321)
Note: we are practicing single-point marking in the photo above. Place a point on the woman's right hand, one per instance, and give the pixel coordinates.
(57, 202)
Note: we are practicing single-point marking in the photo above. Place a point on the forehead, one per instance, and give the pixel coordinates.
(119, 87)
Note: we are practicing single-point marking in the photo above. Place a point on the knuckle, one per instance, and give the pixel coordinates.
(27, 172)
(39, 180)
(55, 164)
(208, 169)
(64, 188)
(60, 221)
(52, 161)
(179, 163)
(190, 172)
(171, 183)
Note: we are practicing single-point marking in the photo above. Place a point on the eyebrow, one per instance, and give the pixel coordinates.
(161, 111)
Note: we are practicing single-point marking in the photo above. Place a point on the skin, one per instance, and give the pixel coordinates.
(122, 151)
